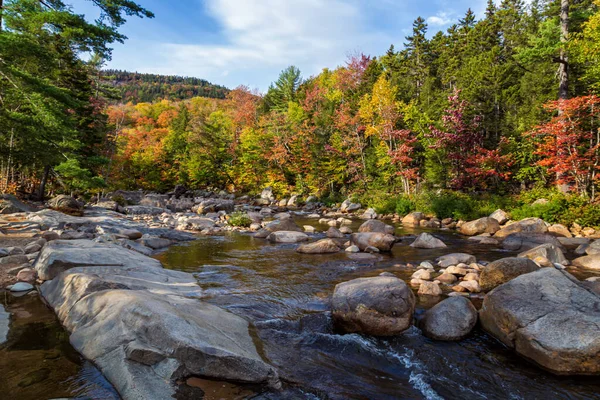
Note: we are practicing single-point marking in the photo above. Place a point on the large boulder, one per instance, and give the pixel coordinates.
(501, 271)
(413, 219)
(287, 237)
(60, 255)
(427, 241)
(451, 319)
(9, 204)
(548, 318)
(374, 225)
(524, 241)
(593, 248)
(381, 306)
(559, 230)
(323, 246)
(479, 226)
(349, 206)
(146, 332)
(527, 225)
(501, 216)
(64, 202)
(381, 241)
(589, 262)
(549, 251)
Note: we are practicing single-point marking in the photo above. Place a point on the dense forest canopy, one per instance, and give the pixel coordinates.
(495, 104)
(137, 87)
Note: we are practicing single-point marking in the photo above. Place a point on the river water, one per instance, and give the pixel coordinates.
(287, 297)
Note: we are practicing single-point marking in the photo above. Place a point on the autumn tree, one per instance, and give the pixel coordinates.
(460, 143)
(569, 144)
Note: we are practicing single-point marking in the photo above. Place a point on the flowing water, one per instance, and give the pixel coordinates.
(286, 295)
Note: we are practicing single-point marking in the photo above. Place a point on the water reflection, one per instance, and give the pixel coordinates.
(37, 360)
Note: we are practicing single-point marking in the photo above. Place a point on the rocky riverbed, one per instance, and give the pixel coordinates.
(155, 330)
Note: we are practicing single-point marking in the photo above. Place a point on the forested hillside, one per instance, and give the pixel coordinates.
(495, 105)
(136, 87)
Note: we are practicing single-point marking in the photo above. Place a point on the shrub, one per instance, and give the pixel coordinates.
(404, 205)
(240, 219)
(449, 204)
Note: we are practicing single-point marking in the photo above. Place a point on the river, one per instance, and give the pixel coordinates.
(286, 295)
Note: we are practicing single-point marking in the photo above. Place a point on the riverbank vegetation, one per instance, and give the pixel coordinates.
(495, 112)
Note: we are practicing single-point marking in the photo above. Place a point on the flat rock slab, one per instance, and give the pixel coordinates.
(110, 221)
(548, 317)
(60, 255)
(145, 328)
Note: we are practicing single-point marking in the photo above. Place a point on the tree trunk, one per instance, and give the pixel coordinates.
(42, 188)
(563, 69)
(1, 11)
(563, 66)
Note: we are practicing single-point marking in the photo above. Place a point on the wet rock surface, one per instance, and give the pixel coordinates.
(450, 319)
(144, 327)
(548, 318)
(503, 270)
(380, 306)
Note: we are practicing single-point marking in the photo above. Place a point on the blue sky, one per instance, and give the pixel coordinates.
(235, 42)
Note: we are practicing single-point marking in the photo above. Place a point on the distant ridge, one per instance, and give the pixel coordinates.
(140, 88)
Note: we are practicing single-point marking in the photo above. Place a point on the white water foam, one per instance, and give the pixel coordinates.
(417, 377)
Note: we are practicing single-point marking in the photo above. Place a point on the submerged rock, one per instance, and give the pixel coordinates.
(450, 319)
(548, 318)
(501, 271)
(381, 306)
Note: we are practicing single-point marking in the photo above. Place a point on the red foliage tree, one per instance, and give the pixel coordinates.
(569, 144)
(470, 164)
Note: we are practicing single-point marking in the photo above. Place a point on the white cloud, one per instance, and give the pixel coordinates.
(440, 19)
(274, 34)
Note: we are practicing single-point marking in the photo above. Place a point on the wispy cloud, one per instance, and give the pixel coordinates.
(441, 19)
(234, 42)
(275, 33)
